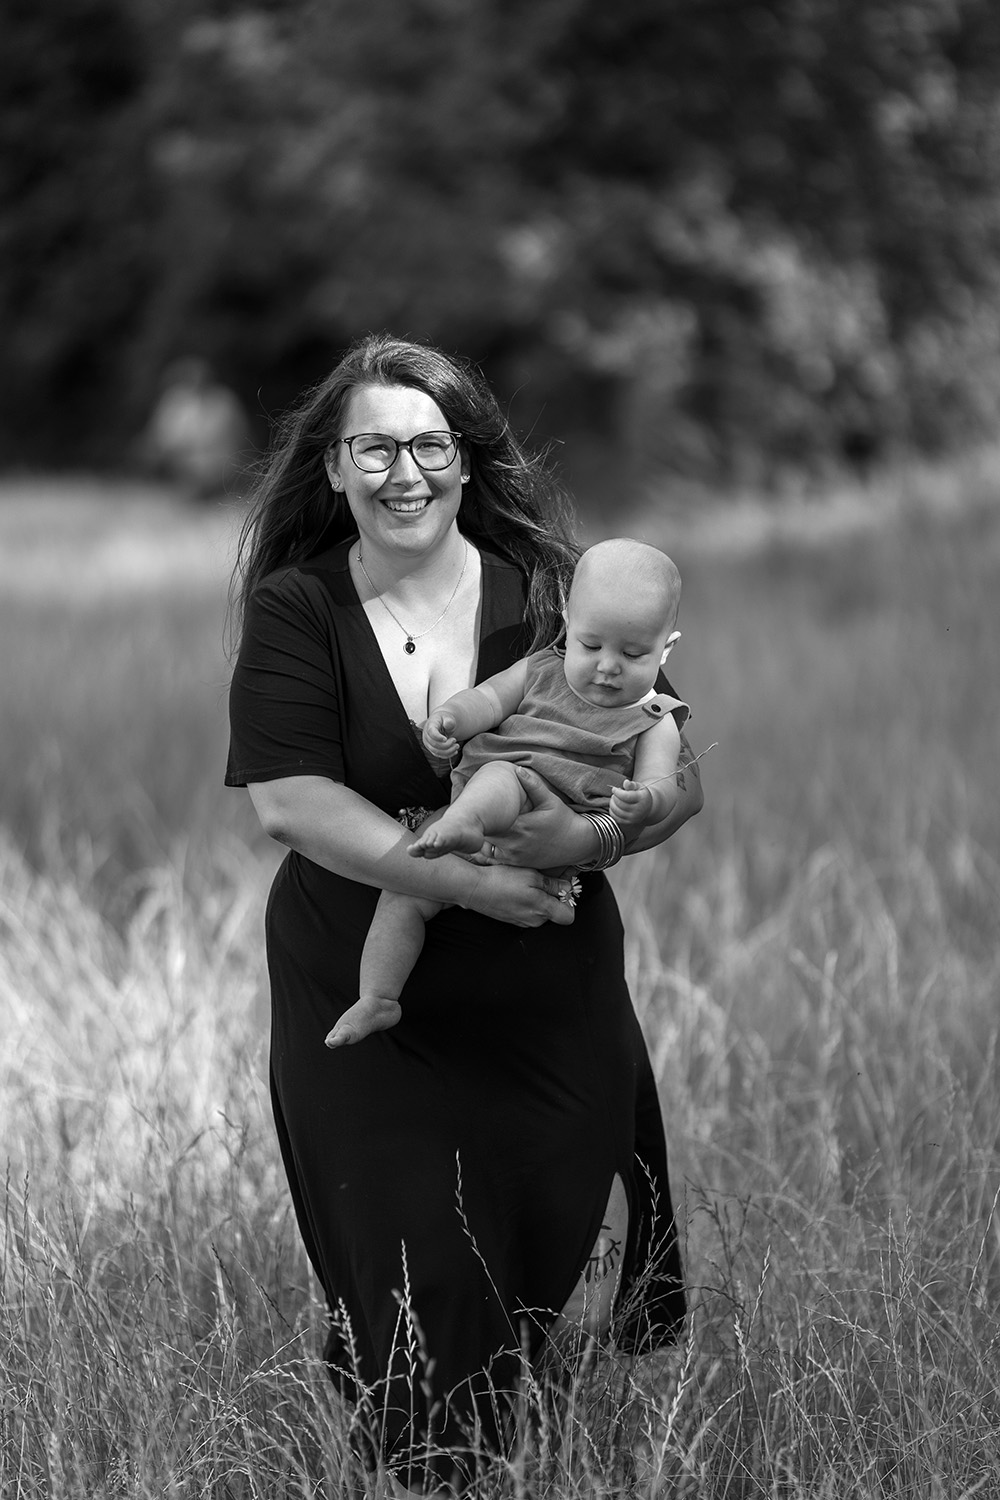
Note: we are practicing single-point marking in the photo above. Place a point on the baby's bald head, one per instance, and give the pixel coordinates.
(632, 574)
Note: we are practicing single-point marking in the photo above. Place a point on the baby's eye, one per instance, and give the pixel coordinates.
(635, 655)
(588, 647)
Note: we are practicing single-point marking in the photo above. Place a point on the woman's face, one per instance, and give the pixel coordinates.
(404, 509)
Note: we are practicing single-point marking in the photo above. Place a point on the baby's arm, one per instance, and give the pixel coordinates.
(473, 710)
(650, 796)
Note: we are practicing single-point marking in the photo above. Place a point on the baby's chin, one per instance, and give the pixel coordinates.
(607, 697)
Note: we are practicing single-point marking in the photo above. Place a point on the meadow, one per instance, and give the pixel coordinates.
(815, 961)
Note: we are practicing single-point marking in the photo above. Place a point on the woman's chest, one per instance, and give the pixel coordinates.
(439, 664)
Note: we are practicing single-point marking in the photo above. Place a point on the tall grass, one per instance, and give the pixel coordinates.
(815, 962)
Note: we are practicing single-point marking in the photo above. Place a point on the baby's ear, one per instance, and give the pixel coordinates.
(672, 640)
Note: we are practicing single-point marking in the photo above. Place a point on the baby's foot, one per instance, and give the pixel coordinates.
(370, 1013)
(455, 832)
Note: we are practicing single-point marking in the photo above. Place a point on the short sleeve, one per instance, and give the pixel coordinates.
(666, 703)
(284, 702)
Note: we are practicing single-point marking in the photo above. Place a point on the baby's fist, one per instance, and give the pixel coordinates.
(439, 735)
(630, 804)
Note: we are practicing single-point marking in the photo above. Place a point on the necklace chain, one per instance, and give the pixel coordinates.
(409, 645)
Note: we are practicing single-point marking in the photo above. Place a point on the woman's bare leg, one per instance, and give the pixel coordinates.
(393, 945)
(586, 1317)
(486, 806)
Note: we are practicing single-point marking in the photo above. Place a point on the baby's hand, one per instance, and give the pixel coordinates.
(631, 804)
(439, 735)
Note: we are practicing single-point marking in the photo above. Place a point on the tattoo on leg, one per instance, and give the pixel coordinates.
(602, 1259)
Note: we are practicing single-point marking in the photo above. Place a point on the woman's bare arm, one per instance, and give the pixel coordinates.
(338, 829)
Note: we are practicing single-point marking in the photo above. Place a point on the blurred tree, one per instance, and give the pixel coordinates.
(731, 234)
(807, 187)
(73, 211)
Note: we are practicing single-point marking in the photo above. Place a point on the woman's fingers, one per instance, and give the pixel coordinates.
(522, 896)
(537, 790)
(563, 895)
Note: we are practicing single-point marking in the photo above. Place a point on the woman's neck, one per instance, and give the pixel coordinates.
(405, 574)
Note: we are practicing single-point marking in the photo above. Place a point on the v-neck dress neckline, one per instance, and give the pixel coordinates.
(438, 769)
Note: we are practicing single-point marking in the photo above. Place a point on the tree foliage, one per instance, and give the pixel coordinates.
(730, 233)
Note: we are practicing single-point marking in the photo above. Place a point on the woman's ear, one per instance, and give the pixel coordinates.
(672, 640)
(332, 472)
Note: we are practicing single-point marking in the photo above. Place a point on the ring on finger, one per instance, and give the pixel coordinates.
(493, 853)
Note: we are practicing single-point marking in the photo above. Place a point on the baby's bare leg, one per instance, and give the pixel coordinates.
(392, 947)
(486, 806)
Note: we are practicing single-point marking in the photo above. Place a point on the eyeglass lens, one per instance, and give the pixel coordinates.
(375, 452)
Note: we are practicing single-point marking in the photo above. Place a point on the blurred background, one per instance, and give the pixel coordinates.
(689, 239)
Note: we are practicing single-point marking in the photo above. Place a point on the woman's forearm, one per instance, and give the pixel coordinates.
(338, 829)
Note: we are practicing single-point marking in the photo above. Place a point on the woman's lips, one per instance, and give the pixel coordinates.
(407, 507)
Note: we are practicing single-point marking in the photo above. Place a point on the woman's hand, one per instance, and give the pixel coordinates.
(548, 835)
(524, 898)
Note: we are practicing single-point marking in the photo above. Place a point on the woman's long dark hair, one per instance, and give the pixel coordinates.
(511, 504)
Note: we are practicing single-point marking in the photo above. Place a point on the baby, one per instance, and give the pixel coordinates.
(587, 718)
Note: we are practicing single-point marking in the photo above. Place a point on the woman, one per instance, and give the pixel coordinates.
(453, 1177)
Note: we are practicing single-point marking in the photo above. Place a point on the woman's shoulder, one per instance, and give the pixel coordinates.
(502, 571)
(501, 640)
(493, 559)
(504, 579)
(312, 580)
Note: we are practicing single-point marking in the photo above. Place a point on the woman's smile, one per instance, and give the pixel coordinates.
(402, 506)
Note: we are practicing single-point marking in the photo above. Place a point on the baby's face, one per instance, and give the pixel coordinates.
(614, 646)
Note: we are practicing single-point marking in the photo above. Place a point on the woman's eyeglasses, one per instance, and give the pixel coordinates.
(374, 452)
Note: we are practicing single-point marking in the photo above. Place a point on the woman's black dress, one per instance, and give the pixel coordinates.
(449, 1175)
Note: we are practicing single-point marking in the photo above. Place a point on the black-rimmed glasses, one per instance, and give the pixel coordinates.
(374, 452)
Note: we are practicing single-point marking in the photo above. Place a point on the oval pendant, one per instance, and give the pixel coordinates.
(410, 647)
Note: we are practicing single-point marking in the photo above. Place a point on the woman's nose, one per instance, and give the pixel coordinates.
(405, 469)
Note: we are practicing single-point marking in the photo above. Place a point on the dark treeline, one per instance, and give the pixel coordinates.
(722, 237)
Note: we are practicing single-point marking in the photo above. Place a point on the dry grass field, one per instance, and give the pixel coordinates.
(815, 960)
